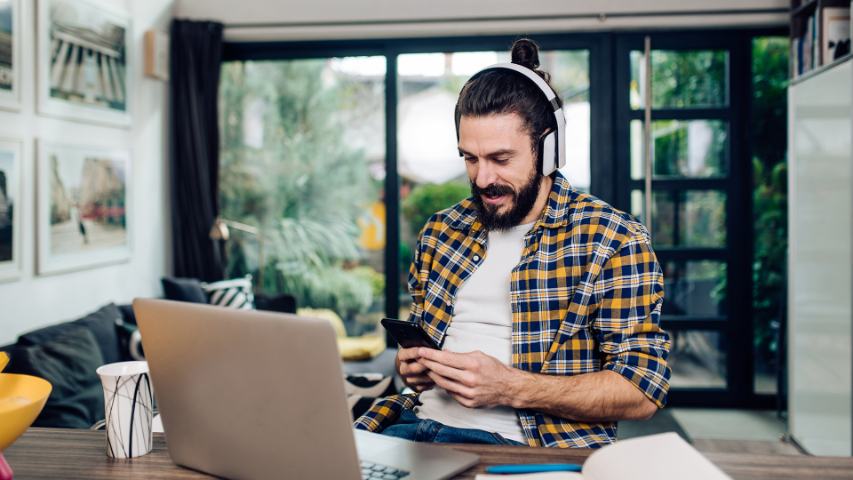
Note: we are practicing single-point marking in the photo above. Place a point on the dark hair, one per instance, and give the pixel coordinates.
(500, 91)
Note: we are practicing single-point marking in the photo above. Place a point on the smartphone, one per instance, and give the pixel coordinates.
(408, 334)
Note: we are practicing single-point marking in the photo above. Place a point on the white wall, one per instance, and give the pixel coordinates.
(319, 19)
(34, 301)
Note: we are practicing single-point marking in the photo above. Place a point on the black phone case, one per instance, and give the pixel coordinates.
(407, 335)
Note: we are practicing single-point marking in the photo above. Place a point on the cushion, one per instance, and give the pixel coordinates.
(68, 361)
(363, 389)
(234, 293)
(127, 313)
(283, 303)
(364, 347)
(183, 290)
(130, 340)
(102, 323)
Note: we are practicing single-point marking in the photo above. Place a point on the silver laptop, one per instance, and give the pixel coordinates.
(254, 395)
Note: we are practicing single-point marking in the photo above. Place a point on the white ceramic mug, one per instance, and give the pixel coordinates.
(128, 405)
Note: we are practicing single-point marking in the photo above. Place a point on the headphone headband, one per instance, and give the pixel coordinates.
(552, 149)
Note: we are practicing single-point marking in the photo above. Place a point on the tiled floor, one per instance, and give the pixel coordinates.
(718, 430)
(762, 425)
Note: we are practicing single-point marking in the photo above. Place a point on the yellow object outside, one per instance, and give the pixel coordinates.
(361, 348)
(21, 399)
(364, 347)
(4, 359)
(372, 225)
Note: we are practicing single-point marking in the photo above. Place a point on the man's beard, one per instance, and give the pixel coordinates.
(521, 203)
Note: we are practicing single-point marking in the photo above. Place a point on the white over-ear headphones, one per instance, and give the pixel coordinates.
(552, 148)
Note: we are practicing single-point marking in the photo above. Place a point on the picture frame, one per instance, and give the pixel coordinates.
(84, 61)
(10, 54)
(11, 211)
(85, 214)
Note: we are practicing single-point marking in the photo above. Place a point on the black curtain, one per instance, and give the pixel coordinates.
(195, 58)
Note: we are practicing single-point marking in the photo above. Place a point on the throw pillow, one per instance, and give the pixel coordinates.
(183, 290)
(68, 361)
(234, 293)
(130, 339)
(363, 389)
(102, 324)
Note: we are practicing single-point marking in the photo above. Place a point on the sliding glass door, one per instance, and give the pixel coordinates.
(699, 213)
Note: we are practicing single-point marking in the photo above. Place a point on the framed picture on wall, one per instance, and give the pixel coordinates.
(84, 211)
(83, 61)
(11, 160)
(10, 54)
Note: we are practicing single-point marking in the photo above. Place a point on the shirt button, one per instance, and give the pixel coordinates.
(476, 258)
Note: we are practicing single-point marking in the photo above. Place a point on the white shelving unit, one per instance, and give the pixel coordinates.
(820, 260)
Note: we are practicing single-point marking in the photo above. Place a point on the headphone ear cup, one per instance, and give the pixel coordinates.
(548, 153)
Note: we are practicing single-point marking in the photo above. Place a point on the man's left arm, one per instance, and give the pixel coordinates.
(634, 379)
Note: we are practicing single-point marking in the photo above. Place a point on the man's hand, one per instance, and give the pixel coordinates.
(474, 379)
(414, 374)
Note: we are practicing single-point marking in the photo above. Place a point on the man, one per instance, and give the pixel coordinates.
(546, 301)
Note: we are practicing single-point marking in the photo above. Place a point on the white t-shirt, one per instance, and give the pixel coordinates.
(482, 320)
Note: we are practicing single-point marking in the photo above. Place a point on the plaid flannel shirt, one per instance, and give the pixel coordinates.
(586, 296)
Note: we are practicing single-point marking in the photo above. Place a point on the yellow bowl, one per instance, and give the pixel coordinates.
(21, 399)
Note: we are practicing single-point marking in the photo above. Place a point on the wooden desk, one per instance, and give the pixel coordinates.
(79, 454)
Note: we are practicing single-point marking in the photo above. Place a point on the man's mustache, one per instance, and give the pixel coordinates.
(493, 190)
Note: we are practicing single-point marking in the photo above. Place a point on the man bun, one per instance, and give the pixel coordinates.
(525, 52)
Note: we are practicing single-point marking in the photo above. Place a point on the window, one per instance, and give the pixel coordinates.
(341, 157)
(302, 158)
(770, 206)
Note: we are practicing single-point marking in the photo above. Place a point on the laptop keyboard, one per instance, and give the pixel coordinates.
(375, 471)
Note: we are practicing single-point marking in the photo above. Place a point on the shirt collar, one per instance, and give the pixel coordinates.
(554, 215)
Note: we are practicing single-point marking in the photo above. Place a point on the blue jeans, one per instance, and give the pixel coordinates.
(410, 427)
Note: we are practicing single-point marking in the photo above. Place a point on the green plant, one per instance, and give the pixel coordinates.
(770, 190)
(297, 178)
(770, 201)
(430, 198)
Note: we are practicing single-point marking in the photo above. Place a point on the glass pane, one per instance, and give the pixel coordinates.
(681, 79)
(695, 218)
(698, 359)
(286, 125)
(432, 175)
(770, 201)
(681, 149)
(694, 288)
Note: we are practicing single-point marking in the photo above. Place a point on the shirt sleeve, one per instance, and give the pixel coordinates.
(416, 287)
(627, 324)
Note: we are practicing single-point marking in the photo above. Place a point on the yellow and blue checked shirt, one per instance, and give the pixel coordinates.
(586, 296)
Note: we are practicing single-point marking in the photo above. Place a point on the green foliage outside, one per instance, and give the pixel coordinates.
(299, 181)
(770, 190)
(685, 79)
(428, 199)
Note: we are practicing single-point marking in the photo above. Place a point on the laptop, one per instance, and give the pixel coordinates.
(250, 394)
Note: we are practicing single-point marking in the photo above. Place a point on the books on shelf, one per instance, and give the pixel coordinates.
(835, 25)
(821, 35)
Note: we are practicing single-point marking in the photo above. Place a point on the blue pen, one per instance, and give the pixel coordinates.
(534, 468)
